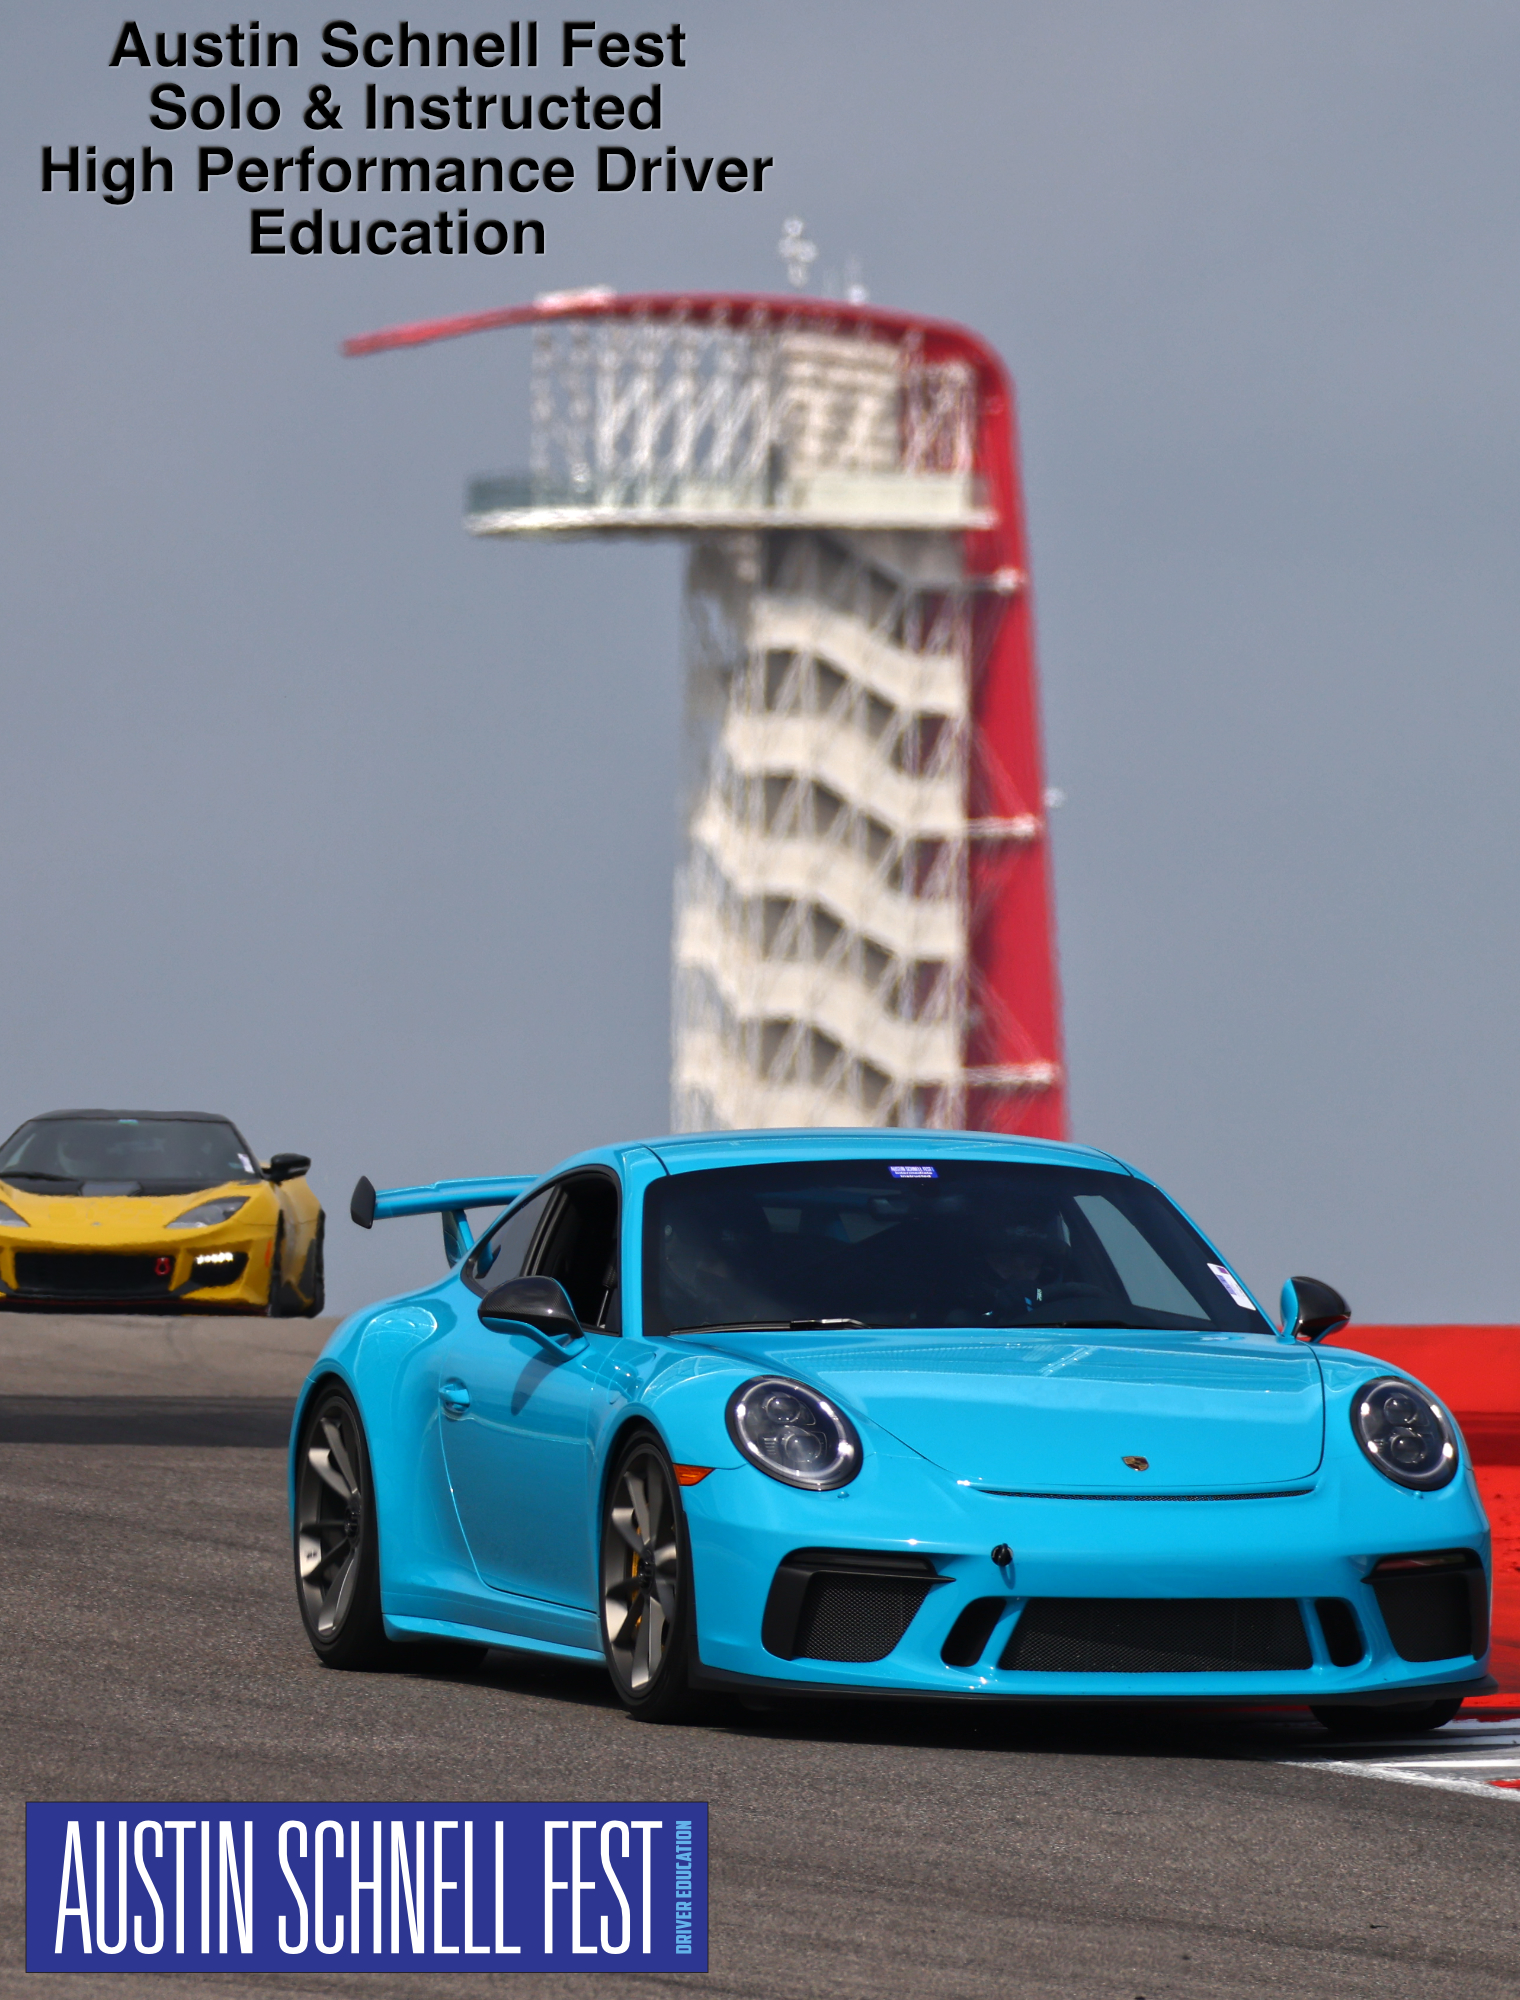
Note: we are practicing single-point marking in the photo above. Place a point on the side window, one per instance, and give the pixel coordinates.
(580, 1250)
(502, 1253)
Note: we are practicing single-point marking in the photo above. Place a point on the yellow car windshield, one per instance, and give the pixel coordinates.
(126, 1154)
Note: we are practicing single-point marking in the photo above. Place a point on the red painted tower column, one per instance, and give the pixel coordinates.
(1015, 1013)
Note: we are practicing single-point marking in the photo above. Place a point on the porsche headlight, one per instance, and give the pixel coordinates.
(209, 1213)
(1408, 1437)
(9, 1219)
(793, 1433)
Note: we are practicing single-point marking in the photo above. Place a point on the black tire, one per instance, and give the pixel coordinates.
(1414, 1720)
(646, 1601)
(314, 1281)
(278, 1306)
(337, 1542)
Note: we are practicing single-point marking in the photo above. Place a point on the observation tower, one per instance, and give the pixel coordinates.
(863, 920)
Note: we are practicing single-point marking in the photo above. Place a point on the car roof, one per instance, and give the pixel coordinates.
(139, 1117)
(690, 1152)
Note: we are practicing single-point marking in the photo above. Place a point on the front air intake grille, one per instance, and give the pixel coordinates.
(844, 1604)
(849, 1618)
(1435, 1606)
(1158, 1635)
(91, 1274)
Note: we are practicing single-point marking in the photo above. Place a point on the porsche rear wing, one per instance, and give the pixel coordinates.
(448, 1199)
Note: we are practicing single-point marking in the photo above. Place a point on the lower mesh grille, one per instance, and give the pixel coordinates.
(855, 1618)
(90, 1274)
(1158, 1635)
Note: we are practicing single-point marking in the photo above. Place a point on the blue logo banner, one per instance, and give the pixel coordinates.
(366, 1888)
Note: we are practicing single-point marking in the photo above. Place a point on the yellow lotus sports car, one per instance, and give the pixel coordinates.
(155, 1211)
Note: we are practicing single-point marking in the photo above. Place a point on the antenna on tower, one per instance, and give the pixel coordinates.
(795, 251)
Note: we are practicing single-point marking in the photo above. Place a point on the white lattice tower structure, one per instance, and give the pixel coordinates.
(853, 830)
(820, 939)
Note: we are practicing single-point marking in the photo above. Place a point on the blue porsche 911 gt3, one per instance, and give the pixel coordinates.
(838, 1412)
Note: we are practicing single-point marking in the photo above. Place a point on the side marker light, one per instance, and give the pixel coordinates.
(690, 1475)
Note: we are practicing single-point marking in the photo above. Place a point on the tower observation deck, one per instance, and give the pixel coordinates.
(863, 919)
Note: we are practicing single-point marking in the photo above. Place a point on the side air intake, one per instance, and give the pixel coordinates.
(844, 1604)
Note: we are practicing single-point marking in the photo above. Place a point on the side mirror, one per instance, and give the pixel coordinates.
(1311, 1309)
(539, 1306)
(287, 1166)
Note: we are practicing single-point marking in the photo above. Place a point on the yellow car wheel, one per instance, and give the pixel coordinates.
(314, 1279)
(279, 1306)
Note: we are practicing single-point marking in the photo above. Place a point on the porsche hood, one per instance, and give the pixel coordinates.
(1067, 1413)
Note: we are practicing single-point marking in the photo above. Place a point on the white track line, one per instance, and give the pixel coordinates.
(1459, 1758)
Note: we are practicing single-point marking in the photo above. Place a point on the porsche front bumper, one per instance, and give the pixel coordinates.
(1281, 1559)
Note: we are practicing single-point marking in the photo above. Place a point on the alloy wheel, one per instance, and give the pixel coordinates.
(330, 1520)
(641, 1570)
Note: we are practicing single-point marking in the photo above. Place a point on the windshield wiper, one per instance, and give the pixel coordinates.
(768, 1326)
(32, 1174)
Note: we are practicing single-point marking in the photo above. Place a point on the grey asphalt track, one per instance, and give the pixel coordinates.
(152, 1650)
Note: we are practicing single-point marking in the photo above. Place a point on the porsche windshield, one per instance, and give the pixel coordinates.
(125, 1155)
(927, 1243)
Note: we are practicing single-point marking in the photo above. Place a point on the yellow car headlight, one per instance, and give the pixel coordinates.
(9, 1219)
(209, 1213)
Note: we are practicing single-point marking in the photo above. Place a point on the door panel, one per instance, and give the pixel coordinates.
(516, 1414)
(518, 1460)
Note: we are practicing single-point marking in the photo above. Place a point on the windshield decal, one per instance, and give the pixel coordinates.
(1231, 1285)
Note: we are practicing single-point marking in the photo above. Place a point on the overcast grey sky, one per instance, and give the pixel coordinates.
(318, 812)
